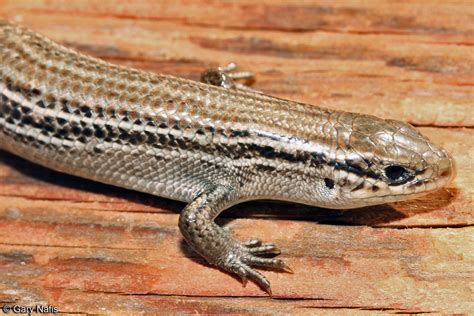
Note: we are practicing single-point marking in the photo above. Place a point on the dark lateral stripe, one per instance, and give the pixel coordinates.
(61, 129)
(265, 168)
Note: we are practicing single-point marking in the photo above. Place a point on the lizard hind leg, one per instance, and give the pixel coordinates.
(211, 241)
(227, 77)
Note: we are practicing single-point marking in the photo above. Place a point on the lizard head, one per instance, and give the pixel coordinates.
(384, 161)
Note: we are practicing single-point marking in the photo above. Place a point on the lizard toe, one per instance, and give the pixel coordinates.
(265, 250)
(245, 272)
(278, 264)
(252, 242)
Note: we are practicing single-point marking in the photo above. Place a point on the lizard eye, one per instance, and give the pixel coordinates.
(397, 174)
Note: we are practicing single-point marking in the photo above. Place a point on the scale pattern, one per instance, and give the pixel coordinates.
(209, 146)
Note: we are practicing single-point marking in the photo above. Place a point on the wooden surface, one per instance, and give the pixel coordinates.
(85, 247)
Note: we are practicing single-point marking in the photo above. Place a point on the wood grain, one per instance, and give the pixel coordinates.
(90, 248)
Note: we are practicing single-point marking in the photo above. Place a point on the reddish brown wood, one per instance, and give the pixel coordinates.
(90, 248)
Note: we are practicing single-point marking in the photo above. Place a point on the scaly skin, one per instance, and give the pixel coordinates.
(210, 146)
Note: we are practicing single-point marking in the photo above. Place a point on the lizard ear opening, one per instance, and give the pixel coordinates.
(329, 183)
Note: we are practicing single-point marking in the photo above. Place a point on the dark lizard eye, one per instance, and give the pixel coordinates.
(397, 174)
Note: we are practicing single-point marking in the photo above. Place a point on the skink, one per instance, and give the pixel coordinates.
(209, 146)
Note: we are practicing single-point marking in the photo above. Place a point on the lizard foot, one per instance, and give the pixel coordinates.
(214, 243)
(241, 257)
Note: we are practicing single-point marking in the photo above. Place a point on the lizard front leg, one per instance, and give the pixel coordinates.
(217, 246)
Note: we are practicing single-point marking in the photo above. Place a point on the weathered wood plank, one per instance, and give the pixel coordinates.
(97, 252)
(88, 247)
(339, 266)
(447, 20)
